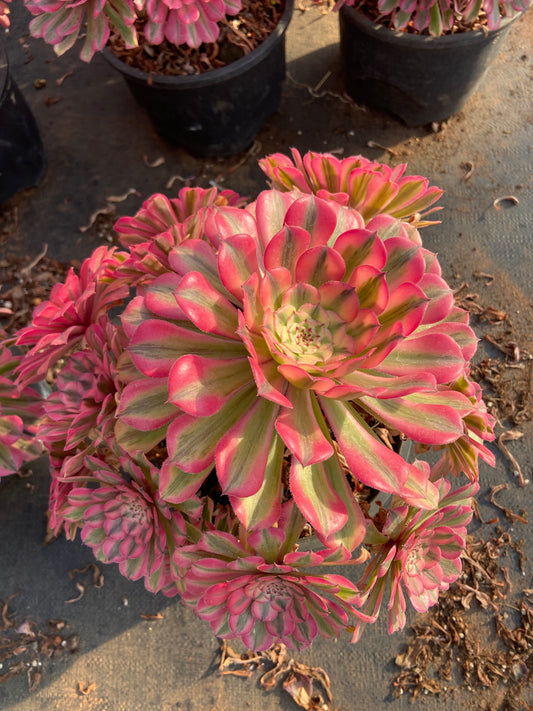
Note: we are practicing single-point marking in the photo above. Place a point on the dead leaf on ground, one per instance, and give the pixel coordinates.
(309, 687)
(157, 616)
(511, 515)
(85, 688)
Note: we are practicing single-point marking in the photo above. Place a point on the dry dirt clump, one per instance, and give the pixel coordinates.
(479, 636)
(506, 372)
(25, 648)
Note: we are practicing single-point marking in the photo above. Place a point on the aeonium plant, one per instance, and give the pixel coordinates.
(437, 17)
(188, 23)
(19, 406)
(221, 431)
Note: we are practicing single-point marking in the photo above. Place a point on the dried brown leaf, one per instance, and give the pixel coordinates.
(512, 199)
(153, 163)
(85, 688)
(7, 622)
(81, 588)
(60, 81)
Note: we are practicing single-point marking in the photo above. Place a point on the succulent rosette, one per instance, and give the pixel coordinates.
(79, 415)
(293, 340)
(237, 378)
(189, 22)
(162, 223)
(59, 324)
(61, 22)
(19, 408)
(125, 521)
(369, 187)
(257, 587)
(82, 406)
(417, 552)
(437, 17)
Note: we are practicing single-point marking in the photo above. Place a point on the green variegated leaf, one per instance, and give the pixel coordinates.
(144, 404)
(192, 441)
(264, 507)
(353, 530)
(126, 31)
(317, 498)
(429, 418)
(435, 23)
(369, 459)
(222, 545)
(243, 452)
(177, 486)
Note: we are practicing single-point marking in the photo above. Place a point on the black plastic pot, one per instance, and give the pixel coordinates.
(419, 78)
(21, 150)
(217, 113)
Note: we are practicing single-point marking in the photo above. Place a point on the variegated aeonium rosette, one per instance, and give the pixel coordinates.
(188, 22)
(255, 389)
(436, 17)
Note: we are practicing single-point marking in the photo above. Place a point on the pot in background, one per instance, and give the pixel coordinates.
(421, 79)
(22, 158)
(216, 113)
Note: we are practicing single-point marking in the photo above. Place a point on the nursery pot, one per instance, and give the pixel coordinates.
(419, 78)
(217, 113)
(21, 149)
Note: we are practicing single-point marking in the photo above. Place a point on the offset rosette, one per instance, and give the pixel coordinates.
(416, 554)
(257, 587)
(370, 187)
(125, 521)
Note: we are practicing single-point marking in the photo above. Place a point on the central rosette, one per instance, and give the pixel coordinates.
(305, 332)
(281, 345)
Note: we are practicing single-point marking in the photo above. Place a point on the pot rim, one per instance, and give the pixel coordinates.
(424, 41)
(213, 76)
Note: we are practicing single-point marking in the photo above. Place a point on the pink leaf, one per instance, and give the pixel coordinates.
(429, 418)
(200, 386)
(270, 209)
(192, 441)
(160, 300)
(319, 265)
(176, 485)
(302, 428)
(144, 404)
(237, 260)
(264, 507)
(434, 353)
(358, 247)
(370, 460)
(316, 216)
(285, 248)
(317, 499)
(157, 344)
(405, 262)
(206, 307)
